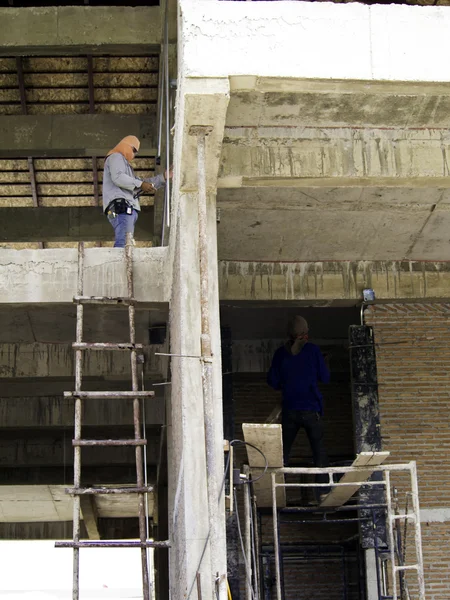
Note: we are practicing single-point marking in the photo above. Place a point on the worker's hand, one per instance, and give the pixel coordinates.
(169, 174)
(147, 187)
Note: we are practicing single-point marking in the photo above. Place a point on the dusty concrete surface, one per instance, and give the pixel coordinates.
(74, 29)
(50, 276)
(324, 283)
(72, 135)
(64, 224)
(310, 224)
(385, 36)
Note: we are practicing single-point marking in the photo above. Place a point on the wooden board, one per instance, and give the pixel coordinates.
(340, 494)
(268, 438)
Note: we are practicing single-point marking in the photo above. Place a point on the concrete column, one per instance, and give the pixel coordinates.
(188, 503)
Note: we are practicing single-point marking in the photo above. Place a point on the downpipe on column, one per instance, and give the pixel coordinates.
(214, 505)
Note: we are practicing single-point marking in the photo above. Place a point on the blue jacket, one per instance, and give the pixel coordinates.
(297, 377)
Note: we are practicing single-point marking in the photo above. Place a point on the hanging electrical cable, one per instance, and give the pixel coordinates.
(222, 487)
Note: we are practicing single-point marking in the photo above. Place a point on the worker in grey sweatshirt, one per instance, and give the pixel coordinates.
(121, 188)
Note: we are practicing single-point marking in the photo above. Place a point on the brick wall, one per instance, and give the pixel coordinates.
(413, 361)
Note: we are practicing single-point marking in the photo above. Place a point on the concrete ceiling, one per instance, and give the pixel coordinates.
(318, 171)
(56, 324)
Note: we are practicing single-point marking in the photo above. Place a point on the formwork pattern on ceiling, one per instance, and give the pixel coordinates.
(122, 85)
(60, 85)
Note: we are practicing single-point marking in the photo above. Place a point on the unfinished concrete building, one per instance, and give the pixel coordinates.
(310, 150)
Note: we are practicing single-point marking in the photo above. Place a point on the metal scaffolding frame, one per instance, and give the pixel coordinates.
(77, 491)
(397, 566)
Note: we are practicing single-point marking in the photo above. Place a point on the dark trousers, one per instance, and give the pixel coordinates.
(311, 422)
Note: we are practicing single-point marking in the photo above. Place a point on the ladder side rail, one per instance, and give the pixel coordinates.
(77, 429)
(136, 417)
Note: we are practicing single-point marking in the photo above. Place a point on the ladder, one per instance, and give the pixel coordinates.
(141, 489)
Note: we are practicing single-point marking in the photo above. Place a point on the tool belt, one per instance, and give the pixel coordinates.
(119, 206)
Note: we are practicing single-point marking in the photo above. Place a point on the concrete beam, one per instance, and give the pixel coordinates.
(72, 135)
(54, 411)
(57, 475)
(53, 448)
(50, 276)
(39, 503)
(89, 514)
(312, 224)
(79, 30)
(326, 283)
(328, 157)
(57, 360)
(385, 35)
(205, 104)
(66, 224)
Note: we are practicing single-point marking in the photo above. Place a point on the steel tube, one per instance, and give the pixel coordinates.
(321, 470)
(417, 530)
(387, 477)
(275, 538)
(248, 550)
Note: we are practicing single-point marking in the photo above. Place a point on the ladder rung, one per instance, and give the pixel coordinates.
(130, 442)
(108, 395)
(109, 490)
(120, 300)
(106, 346)
(112, 544)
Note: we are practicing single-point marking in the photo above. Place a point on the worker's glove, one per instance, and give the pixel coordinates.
(147, 187)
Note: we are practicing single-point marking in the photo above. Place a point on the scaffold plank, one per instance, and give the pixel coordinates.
(340, 494)
(268, 439)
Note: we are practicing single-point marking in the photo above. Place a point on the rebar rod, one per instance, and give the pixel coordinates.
(136, 418)
(77, 428)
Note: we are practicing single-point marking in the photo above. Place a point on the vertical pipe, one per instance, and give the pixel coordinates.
(248, 549)
(207, 367)
(136, 416)
(387, 479)
(276, 544)
(77, 432)
(167, 91)
(417, 532)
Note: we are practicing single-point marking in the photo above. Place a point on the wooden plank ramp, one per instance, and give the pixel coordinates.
(339, 495)
(268, 438)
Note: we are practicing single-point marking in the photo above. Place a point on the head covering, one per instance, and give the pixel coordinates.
(125, 147)
(298, 334)
(298, 326)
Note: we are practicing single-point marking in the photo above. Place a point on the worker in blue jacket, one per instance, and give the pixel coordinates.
(296, 369)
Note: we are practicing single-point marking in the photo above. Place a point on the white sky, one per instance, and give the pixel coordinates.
(30, 567)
